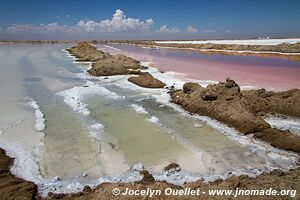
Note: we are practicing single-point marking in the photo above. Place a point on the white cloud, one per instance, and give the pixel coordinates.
(88, 26)
(165, 29)
(118, 23)
(208, 31)
(191, 29)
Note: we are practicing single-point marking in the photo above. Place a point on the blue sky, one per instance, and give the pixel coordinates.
(145, 19)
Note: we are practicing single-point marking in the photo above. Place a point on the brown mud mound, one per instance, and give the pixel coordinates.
(226, 103)
(108, 67)
(146, 80)
(88, 53)
(268, 102)
(103, 64)
(115, 65)
(12, 187)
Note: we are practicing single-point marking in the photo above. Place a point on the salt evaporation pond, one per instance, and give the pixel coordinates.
(67, 129)
(249, 71)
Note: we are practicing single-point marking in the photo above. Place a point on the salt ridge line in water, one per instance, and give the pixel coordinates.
(139, 109)
(25, 161)
(289, 123)
(221, 50)
(113, 48)
(40, 123)
(25, 164)
(74, 96)
(239, 42)
(77, 184)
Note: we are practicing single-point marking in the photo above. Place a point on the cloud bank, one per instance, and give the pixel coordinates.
(118, 25)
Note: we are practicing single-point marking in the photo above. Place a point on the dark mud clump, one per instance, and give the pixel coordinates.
(146, 80)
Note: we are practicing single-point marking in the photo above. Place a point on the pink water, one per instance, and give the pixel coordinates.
(253, 71)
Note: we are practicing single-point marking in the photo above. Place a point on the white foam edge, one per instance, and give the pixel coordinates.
(139, 109)
(74, 96)
(133, 175)
(284, 123)
(238, 42)
(25, 160)
(40, 121)
(25, 164)
(113, 48)
(153, 119)
(96, 129)
(77, 184)
(229, 51)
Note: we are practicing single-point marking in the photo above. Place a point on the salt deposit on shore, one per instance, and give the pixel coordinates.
(238, 42)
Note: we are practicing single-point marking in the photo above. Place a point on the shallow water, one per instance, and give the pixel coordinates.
(97, 129)
(254, 71)
(171, 137)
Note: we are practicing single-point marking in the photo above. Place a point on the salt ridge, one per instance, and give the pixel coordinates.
(40, 123)
(139, 109)
(74, 96)
(238, 42)
(289, 123)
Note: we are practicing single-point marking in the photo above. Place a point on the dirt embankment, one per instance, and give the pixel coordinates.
(228, 49)
(243, 110)
(12, 187)
(268, 102)
(105, 64)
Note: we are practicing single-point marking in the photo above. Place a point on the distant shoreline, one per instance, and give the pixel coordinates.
(284, 51)
(290, 51)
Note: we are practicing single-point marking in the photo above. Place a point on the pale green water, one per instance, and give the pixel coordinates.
(173, 139)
